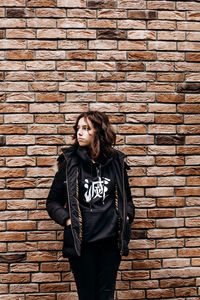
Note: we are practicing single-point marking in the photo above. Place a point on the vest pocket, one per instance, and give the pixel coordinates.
(68, 237)
(128, 232)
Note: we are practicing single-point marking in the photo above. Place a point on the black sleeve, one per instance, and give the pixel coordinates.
(130, 205)
(57, 198)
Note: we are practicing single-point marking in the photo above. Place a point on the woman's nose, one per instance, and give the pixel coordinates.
(79, 132)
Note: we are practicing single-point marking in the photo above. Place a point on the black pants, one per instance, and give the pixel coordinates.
(95, 271)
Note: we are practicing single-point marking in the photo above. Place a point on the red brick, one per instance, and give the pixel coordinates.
(40, 65)
(42, 277)
(101, 23)
(162, 45)
(141, 35)
(55, 267)
(129, 86)
(132, 294)
(38, 296)
(12, 44)
(141, 118)
(81, 55)
(10, 236)
(160, 293)
(72, 3)
(51, 12)
(162, 128)
(171, 15)
(133, 275)
(177, 282)
(193, 180)
(141, 55)
(20, 33)
(160, 25)
(112, 14)
(78, 13)
(48, 118)
(14, 172)
(170, 56)
(140, 97)
(71, 66)
(195, 261)
(130, 66)
(19, 288)
(189, 150)
(161, 150)
(35, 44)
(172, 181)
(46, 76)
(160, 191)
(81, 34)
(132, 45)
(170, 243)
(170, 98)
(48, 55)
(70, 23)
(111, 55)
(19, 76)
(54, 287)
(161, 87)
(174, 35)
(4, 288)
(187, 66)
(15, 277)
(161, 233)
(19, 204)
(99, 87)
(50, 97)
(13, 108)
(41, 23)
(12, 23)
(141, 129)
(186, 291)
(174, 160)
(188, 232)
(20, 97)
(35, 3)
(110, 76)
(144, 284)
(17, 65)
(7, 194)
(148, 181)
(170, 77)
(19, 55)
(20, 140)
(162, 253)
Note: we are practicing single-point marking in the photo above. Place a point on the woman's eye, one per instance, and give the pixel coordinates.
(86, 128)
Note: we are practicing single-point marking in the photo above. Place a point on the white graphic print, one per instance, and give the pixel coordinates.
(96, 188)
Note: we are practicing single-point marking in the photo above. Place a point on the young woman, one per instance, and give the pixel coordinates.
(90, 196)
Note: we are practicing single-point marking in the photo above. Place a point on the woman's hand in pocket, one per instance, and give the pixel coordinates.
(68, 222)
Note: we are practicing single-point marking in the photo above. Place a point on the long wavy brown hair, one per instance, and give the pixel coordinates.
(105, 136)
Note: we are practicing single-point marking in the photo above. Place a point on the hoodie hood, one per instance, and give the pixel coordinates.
(83, 154)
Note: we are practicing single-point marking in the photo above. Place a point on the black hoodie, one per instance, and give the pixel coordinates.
(97, 198)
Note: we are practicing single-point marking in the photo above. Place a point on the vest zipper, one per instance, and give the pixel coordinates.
(67, 186)
(124, 216)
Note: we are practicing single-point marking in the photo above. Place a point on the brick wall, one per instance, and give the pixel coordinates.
(138, 61)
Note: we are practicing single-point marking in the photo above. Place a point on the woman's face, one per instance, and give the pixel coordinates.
(85, 132)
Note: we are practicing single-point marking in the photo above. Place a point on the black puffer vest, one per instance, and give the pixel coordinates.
(63, 203)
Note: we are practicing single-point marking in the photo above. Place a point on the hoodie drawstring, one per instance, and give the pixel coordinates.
(101, 182)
